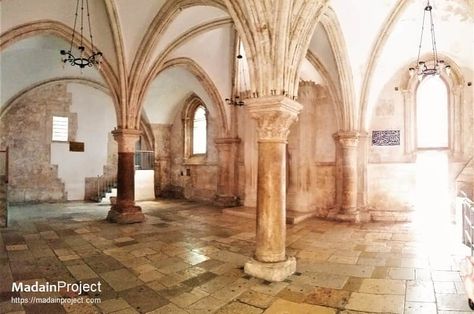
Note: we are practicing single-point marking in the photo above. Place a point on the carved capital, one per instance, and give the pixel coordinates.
(347, 139)
(274, 116)
(126, 139)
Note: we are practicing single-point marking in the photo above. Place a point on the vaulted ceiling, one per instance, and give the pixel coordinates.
(171, 48)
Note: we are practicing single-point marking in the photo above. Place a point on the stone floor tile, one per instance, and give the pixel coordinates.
(143, 299)
(168, 309)
(281, 306)
(401, 273)
(420, 308)
(440, 275)
(420, 291)
(378, 303)
(383, 286)
(238, 308)
(295, 294)
(272, 288)
(81, 272)
(151, 275)
(185, 299)
(380, 272)
(324, 280)
(452, 302)
(258, 299)
(341, 259)
(444, 287)
(128, 310)
(328, 297)
(16, 247)
(208, 304)
(121, 279)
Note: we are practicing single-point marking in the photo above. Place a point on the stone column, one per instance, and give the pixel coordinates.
(227, 185)
(274, 116)
(125, 211)
(348, 142)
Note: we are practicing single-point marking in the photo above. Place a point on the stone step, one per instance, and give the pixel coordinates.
(292, 217)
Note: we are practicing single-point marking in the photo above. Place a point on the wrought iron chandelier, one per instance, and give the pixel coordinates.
(435, 67)
(81, 59)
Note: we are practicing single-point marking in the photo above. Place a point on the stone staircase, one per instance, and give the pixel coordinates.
(109, 196)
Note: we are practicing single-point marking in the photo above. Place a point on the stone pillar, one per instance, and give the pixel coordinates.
(227, 184)
(274, 116)
(348, 142)
(125, 211)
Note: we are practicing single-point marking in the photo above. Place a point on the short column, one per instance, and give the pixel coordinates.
(348, 142)
(125, 211)
(227, 185)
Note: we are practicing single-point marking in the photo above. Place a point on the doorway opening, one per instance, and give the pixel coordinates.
(433, 197)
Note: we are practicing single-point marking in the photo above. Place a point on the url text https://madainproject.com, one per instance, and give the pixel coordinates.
(58, 300)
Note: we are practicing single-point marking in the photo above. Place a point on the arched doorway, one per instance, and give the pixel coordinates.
(432, 146)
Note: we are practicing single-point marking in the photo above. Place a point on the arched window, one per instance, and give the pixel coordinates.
(199, 131)
(432, 113)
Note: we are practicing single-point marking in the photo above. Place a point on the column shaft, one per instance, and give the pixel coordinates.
(271, 201)
(125, 210)
(348, 142)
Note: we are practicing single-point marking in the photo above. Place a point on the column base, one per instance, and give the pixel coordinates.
(349, 217)
(226, 201)
(128, 216)
(278, 271)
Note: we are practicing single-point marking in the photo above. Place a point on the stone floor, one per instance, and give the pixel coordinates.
(188, 258)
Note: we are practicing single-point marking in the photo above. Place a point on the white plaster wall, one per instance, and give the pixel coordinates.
(212, 51)
(95, 119)
(391, 187)
(144, 185)
(134, 26)
(321, 48)
(361, 22)
(168, 91)
(186, 19)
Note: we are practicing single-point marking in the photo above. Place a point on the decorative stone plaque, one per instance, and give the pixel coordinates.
(76, 146)
(386, 138)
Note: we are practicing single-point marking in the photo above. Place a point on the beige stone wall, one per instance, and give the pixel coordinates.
(193, 178)
(311, 174)
(3, 201)
(391, 173)
(26, 130)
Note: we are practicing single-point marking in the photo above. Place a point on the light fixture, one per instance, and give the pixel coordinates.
(81, 59)
(435, 67)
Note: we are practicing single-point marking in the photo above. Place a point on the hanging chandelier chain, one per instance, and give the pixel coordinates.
(82, 23)
(433, 37)
(421, 36)
(75, 23)
(89, 22)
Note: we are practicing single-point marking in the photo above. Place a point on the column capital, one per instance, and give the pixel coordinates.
(274, 115)
(347, 139)
(126, 139)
